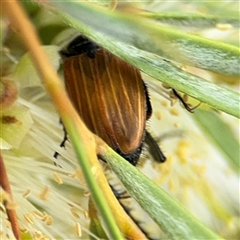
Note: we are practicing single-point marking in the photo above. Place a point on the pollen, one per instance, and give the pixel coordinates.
(173, 100)
(85, 213)
(78, 229)
(176, 125)
(8, 224)
(86, 193)
(171, 185)
(164, 103)
(57, 178)
(11, 205)
(78, 175)
(4, 196)
(74, 212)
(165, 170)
(158, 115)
(164, 85)
(29, 217)
(174, 112)
(39, 236)
(26, 193)
(182, 151)
(224, 26)
(38, 214)
(23, 230)
(48, 219)
(45, 193)
(200, 170)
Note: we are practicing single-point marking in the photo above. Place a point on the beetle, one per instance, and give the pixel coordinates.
(110, 96)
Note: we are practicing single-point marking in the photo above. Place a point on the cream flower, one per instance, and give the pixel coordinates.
(50, 195)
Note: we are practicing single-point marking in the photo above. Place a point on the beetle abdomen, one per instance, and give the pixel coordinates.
(110, 97)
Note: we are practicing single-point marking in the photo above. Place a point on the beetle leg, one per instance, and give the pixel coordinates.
(186, 105)
(154, 149)
(148, 103)
(62, 144)
(122, 194)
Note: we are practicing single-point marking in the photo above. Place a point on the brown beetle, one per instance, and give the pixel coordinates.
(110, 96)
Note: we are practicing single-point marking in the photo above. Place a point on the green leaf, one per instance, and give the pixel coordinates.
(207, 92)
(193, 20)
(112, 229)
(15, 124)
(216, 96)
(174, 220)
(164, 41)
(159, 43)
(25, 71)
(221, 134)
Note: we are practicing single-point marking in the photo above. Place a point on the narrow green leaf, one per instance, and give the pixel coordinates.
(216, 96)
(164, 41)
(112, 229)
(176, 222)
(193, 20)
(26, 236)
(96, 228)
(95, 223)
(221, 134)
(207, 92)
